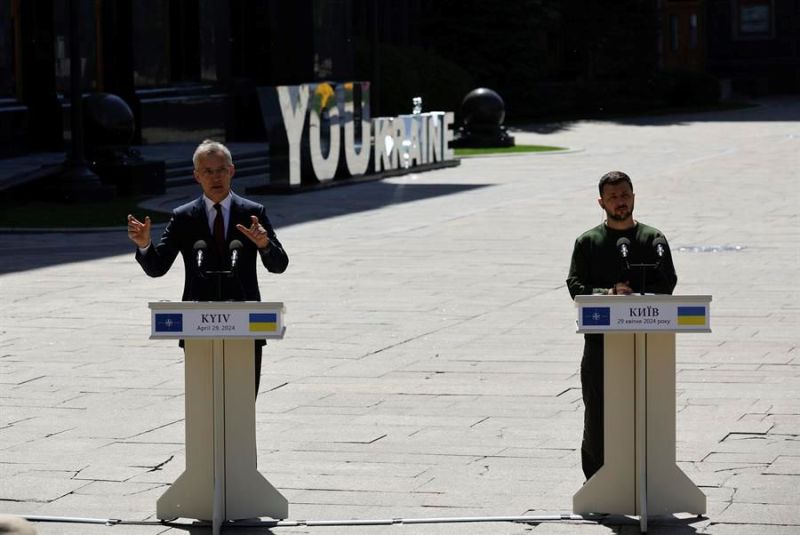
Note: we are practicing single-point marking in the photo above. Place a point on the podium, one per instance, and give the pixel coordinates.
(220, 482)
(639, 476)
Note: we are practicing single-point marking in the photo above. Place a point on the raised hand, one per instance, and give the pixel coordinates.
(255, 233)
(139, 232)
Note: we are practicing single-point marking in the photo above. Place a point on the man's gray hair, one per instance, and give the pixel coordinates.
(209, 146)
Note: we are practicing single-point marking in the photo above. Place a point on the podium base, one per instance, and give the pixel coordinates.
(639, 476)
(221, 481)
(192, 496)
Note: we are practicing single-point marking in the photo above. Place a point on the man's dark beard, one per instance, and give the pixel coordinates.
(615, 217)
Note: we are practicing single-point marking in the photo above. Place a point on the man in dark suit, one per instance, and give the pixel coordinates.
(216, 219)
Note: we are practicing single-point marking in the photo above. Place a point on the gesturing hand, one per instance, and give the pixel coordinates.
(139, 232)
(255, 233)
(621, 288)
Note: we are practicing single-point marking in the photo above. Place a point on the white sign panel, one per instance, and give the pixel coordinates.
(213, 320)
(643, 314)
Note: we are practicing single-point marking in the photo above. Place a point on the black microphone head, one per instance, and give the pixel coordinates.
(623, 245)
(660, 245)
(235, 247)
(200, 249)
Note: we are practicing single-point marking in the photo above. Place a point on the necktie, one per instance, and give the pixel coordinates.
(219, 230)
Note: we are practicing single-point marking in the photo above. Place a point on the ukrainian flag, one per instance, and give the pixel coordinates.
(691, 315)
(263, 322)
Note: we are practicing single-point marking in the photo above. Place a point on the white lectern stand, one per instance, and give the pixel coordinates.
(221, 481)
(639, 475)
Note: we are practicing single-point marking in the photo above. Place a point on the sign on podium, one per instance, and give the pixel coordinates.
(233, 319)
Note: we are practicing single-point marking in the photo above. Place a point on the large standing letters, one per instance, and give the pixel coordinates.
(293, 103)
(323, 106)
(321, 123)
(357, 159)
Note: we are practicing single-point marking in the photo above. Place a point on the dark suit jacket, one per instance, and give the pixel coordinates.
(189, 224)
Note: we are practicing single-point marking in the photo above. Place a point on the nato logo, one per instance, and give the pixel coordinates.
(596, 316)
(169, 323)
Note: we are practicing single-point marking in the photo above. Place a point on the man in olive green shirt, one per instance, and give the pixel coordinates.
(598, 267)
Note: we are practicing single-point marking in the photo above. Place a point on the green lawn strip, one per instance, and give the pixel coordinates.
(40, 214)
(505, 150)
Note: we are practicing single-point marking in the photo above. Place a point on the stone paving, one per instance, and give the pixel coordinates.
(430, 363)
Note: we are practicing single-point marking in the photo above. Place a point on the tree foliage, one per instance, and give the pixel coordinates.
(548, 55)
(544, 57)
(502, 45)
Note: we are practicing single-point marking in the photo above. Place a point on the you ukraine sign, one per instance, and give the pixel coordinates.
(323, 131)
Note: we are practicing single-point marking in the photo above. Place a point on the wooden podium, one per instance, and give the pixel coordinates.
(639, 476)
(221, 481)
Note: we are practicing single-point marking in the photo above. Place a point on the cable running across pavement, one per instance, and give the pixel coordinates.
(524, 519)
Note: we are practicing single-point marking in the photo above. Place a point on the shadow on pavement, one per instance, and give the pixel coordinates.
(666, 525)
(34, 250)
(206, 530)
(286, 210)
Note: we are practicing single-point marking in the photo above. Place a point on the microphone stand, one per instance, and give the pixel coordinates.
(644, 268)
(219, 274)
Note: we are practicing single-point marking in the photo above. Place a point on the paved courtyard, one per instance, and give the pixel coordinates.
(430, 366)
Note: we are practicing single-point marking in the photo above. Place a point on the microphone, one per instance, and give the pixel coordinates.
(235, 247)
(660, 244)
(623, 246)
(200, 248)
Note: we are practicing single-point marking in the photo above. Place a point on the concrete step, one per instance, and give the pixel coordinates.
(180, 172)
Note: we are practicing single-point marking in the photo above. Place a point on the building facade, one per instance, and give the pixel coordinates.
(751, 45)
(186, 68)
(190, 68)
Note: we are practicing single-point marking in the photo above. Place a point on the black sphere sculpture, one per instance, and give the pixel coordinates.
(483, 112)
(109, 126)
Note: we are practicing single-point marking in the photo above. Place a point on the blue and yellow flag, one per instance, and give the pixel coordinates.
(691, 315)
(260, 322)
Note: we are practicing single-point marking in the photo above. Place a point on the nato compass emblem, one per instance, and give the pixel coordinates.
(169, 323)
(596, 316)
